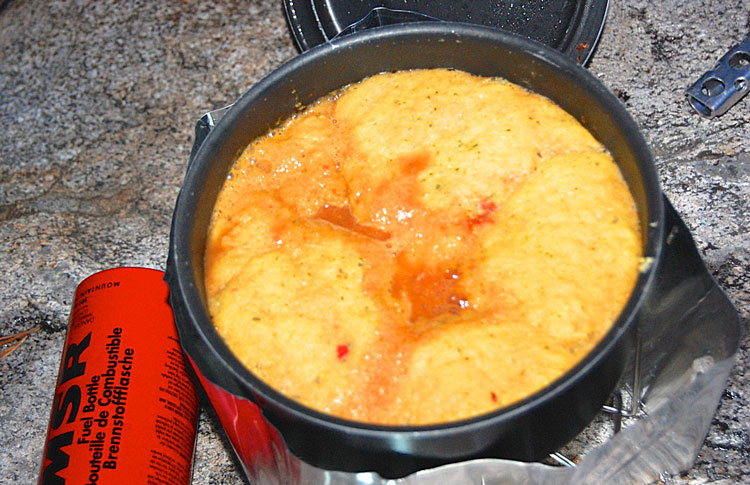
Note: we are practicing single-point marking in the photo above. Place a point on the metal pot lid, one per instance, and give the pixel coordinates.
(570, 26)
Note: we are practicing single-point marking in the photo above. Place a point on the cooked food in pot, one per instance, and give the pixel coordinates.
(420, 247)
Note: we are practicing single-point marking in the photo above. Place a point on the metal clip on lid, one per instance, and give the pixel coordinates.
(723, 86)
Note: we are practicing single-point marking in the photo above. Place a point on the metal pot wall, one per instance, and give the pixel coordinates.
(527, 430)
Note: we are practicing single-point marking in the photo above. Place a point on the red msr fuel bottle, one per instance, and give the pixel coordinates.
(125, 409)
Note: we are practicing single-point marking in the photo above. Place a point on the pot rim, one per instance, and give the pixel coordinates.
(181, 250)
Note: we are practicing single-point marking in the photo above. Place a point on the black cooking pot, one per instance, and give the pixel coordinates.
(527, 430)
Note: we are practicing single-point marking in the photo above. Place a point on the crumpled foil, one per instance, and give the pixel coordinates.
(664, 442)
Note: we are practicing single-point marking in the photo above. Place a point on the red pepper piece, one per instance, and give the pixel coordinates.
(341, 351)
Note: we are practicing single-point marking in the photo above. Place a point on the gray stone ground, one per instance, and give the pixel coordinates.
(98, 101)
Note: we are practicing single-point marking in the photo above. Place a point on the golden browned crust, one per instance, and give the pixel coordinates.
(421, 247)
